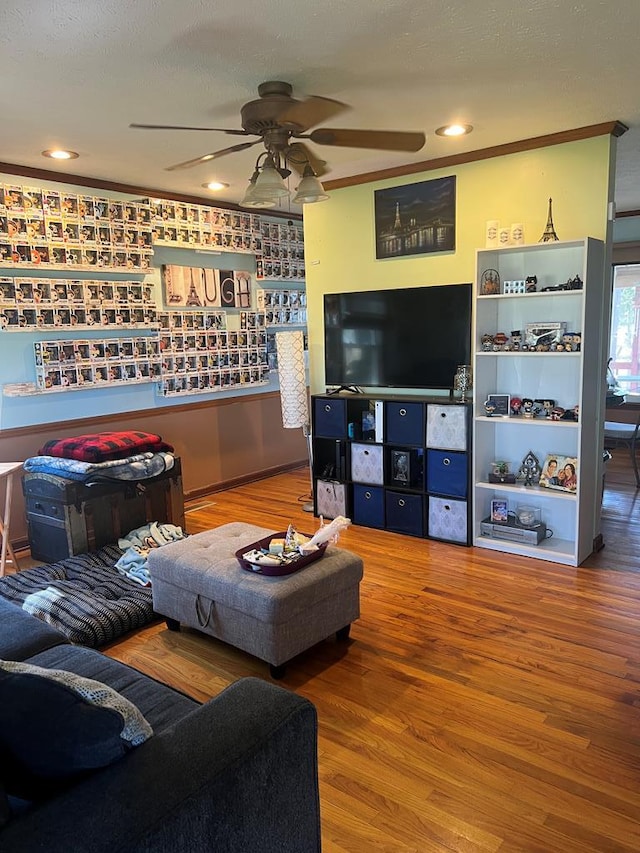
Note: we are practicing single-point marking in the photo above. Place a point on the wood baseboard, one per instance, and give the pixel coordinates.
(212, 488)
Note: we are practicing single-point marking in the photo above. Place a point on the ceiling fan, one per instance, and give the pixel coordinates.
(278, 120)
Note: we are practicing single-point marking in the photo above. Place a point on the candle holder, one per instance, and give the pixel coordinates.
(462, 381)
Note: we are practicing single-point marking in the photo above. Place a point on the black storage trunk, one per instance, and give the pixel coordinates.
(66, 517)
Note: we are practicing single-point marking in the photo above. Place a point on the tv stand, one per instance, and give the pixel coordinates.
(351, 389)
(399, 463)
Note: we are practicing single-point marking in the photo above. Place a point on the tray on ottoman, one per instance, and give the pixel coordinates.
(293, 564)
(198, 582)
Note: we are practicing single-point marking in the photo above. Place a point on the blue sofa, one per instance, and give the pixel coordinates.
(235, 774)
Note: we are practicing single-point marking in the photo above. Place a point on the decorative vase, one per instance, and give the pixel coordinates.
(462, 381)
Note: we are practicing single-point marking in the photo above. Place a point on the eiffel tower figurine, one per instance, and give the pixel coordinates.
(549, 235)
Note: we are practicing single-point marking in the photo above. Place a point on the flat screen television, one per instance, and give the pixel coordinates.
(412, 337)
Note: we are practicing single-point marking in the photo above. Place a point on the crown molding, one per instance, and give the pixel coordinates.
(612, 128)
(129, 189)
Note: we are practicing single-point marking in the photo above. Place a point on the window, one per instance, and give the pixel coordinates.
(625, 326)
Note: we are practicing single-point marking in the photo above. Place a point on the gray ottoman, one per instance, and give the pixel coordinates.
(198, 582)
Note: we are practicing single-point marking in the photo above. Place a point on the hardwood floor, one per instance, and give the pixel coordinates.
(483, 703)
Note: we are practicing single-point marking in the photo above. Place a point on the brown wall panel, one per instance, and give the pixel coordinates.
(220, 442)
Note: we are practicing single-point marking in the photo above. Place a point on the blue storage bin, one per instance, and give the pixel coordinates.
(447, 473)
(330, 417)
(368, 506)
(404, 423)
(404, 513)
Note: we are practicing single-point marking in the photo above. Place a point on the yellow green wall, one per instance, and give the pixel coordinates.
(340, 239)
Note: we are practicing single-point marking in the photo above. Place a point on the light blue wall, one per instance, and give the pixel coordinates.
(17, 363)
(16, 348)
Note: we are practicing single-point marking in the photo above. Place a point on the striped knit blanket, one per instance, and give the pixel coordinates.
(84, 597)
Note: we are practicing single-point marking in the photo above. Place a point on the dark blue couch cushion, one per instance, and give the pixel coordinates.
(56, 726)
(23, 635)
(161, 706)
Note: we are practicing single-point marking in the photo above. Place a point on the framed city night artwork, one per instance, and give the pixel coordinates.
(416, 219)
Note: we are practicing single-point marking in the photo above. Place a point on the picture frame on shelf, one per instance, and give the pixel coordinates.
(560, 472)
(502, 403)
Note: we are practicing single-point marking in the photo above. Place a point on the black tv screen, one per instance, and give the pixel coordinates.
(413, 337)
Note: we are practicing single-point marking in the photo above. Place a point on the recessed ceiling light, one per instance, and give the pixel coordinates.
(454, 129)
(215, 185)
(60, 154)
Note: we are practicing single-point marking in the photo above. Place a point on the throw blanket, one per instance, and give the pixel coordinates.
(137, 544)
(84, 597)
(138, 467)
(103, 446)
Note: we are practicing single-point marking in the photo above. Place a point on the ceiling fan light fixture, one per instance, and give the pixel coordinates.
(251, 200)
(310, 190)
(269, 185)
(454, 130)
(60, 154)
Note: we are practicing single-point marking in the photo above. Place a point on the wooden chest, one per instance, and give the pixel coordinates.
(67, 517)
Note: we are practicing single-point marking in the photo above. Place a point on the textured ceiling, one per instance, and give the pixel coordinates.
(75, 73)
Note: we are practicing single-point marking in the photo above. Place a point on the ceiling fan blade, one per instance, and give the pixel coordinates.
(182, 127)
(213, 156)
(298, 155)
(387, 140)
(312, 111)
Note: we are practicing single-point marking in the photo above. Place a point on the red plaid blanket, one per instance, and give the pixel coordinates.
(104, 446)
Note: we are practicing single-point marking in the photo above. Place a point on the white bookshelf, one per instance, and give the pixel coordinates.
(569, 378)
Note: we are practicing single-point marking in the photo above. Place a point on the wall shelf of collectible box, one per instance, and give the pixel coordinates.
(399, 464)
(187, 352)
(278, 246)
(283, 306)
(66, 230)
(537, 363)
(46, 229)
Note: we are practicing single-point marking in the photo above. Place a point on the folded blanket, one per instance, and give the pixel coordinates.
(141, 466)
(151, 535)
(104, 446)
(137, 544)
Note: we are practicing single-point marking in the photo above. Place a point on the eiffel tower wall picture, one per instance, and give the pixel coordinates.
(191, 287)
(416, 219)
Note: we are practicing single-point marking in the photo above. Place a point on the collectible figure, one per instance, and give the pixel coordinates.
(516, 405)
(545, 407)
(499, 340)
